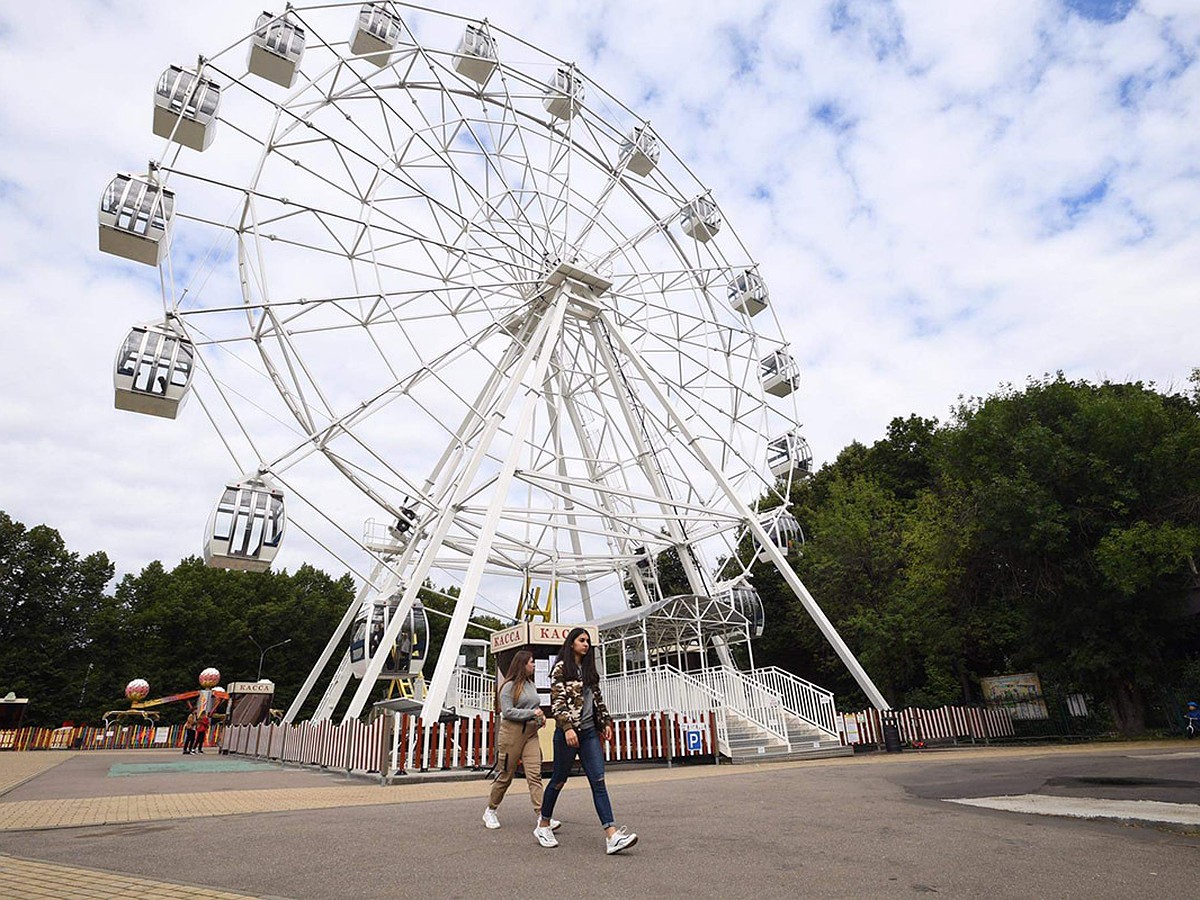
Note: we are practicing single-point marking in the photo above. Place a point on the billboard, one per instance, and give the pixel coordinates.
(1020, 695)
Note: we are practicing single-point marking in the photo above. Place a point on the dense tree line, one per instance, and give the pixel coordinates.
(1054, 529)
(71, 647)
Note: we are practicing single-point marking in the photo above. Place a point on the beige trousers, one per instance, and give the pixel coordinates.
(518, 744)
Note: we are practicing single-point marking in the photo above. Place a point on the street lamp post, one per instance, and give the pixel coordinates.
(263, 652)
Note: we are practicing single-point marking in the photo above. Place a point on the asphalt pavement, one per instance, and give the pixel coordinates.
(867, 826)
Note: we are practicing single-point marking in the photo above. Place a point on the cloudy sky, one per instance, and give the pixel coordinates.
(943, 196)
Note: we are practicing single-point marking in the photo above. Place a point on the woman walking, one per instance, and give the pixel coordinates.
(581, 720)
(521, 717)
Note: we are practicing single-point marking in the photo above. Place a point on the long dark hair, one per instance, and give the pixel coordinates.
(515, 675)
(585, 670)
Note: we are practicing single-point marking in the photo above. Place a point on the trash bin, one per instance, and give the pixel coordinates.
(891, 736)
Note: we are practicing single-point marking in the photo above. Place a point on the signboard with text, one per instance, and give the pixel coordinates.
(251, 687)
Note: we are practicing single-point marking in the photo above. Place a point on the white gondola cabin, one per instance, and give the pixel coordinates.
(276, 49)
(136, 213)
(476, 57)
(748, 293)
(185, 107)
(783, 529)
(780, 374)
(246, 529)
(564, 94)
(789, 453)
(473, 654)
(745, 599)
(640, 151)
(153, 371)
(376, 33)
(701, 219)
(407, 656)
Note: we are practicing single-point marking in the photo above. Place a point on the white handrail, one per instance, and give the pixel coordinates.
(747, 698)
(659, 689)
(666, 689)
(803, 699)
(475, 690)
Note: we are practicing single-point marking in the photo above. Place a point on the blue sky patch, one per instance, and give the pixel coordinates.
(1075, 205)
(876, 20)
(745, 51)
(831, 114)
(1106, 11)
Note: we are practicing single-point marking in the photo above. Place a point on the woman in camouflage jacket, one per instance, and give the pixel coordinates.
(582, 720)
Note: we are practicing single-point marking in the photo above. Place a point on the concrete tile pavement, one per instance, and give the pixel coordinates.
(27, 879)
(16, 768)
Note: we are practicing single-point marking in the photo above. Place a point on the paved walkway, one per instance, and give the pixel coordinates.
(26, 878)
(16, 768)
(852, 825)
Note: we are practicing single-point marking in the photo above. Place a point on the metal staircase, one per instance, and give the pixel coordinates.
(762, 715)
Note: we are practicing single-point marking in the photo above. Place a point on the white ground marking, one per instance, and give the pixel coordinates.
(1089, 808)
(1182, 754)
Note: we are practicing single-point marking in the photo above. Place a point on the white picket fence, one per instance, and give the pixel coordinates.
(397, 743)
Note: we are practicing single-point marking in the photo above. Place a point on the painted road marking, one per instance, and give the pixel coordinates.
(188, 767)
(1183, 754)
(1089, 808)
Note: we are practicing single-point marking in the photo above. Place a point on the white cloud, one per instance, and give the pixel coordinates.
(899, 170)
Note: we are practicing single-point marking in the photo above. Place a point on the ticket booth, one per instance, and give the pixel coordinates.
(250, 702)
(543, 640)
(12, 711)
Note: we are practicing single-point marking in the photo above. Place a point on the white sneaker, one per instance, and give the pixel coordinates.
(545, 837)
(489, 818)
(554, 823)
(620, 840)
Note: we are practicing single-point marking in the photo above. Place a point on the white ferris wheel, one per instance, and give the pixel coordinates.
(415, 248)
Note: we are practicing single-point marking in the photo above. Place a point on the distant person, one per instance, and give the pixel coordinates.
(1191, 719)
(189, 734)
(581, 720)
(201, 731)
(521, 718)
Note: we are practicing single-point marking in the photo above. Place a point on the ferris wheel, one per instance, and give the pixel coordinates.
(416, 249)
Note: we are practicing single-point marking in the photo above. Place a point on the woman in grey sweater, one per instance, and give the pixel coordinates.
(520, 718)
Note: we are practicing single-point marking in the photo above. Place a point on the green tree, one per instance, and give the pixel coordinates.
(48, 597)
(1084, 501)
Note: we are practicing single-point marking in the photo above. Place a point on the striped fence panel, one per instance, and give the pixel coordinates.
(97, 737)
(920, 725)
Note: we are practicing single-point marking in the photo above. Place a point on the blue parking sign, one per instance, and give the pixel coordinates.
(695, 740)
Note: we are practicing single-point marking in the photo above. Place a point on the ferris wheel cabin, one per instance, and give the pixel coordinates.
(153, 371)
(136, 213)
(748, 293)
(407, 655)
(640, 151)
(376, 33)
(701, 219)
(276, 49)
(780, 374)
(475, 57)
(783, 529)
(246, 529)
(565, 93)
(185, 107)
(745, 599)
(789, 453)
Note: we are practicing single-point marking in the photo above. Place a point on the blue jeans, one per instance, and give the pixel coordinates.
(591, 754)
